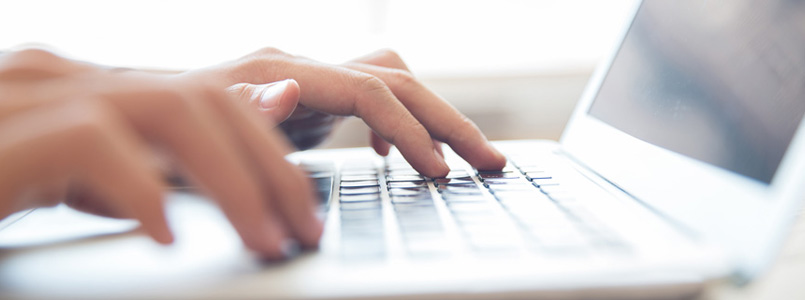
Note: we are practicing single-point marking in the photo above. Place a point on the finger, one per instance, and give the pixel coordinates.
(388, 59)
(291, 193)
(275, 101)
(379, 144)
(440, 118)
(87, 141)
(341, 91)
(188, 126)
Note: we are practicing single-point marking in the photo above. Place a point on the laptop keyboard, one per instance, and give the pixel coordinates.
(523, 207)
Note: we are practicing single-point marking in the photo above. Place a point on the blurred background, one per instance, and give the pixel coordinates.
(515, 67)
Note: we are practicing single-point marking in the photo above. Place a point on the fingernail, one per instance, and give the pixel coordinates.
(289, 248)
(272, 93)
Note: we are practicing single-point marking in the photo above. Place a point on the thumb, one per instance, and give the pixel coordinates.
(275, 101)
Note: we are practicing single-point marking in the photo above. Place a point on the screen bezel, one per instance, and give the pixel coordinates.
(747, 217)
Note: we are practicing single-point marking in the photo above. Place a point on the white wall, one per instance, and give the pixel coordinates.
(438, 38)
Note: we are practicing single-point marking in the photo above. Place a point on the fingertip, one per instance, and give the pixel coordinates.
(165, 238)
(289, 98)
(309, 226)
(436, 168)
(492, 160)
(267, 240)
(292, 92)
(159, 233)
(278, 100)
(380, 145)
(313, 233)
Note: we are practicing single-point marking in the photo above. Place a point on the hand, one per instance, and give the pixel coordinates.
(376, 88)
(65, 123)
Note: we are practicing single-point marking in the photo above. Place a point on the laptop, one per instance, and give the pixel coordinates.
(682, 163)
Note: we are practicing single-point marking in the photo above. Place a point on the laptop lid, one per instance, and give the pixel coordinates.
(698, 114)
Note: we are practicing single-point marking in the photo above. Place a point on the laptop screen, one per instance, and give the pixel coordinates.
(719, 81)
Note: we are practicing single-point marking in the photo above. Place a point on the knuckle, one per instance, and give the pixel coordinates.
(270, 51)
(403, 78)
(370, 83)
(241, 91)
(31, 60)
(369, 88)
(389, 53)
(89, 123)
(33, 55)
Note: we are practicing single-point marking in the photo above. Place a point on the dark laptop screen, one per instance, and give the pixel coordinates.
(719, 81)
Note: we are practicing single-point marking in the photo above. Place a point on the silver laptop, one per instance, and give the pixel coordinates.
(683, 162)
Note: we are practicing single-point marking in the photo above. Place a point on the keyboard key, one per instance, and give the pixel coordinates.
(537, 175)
(508, 168)
(424, 200)
(544, 182)
(466, 198)
(359, 198)
(407, 184)
(398, 178)
(405, 192)
(500, 181)
(458, 187)
(360, 191)
(369, 215)
(457, 174)
(360, 205)
(358, 172)
(420, 188)
(358, 177)
(405, 172)
(416, 210)
(358, 184)
(524, 188)
(500, 174)
(454, 181)
(362, 228)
